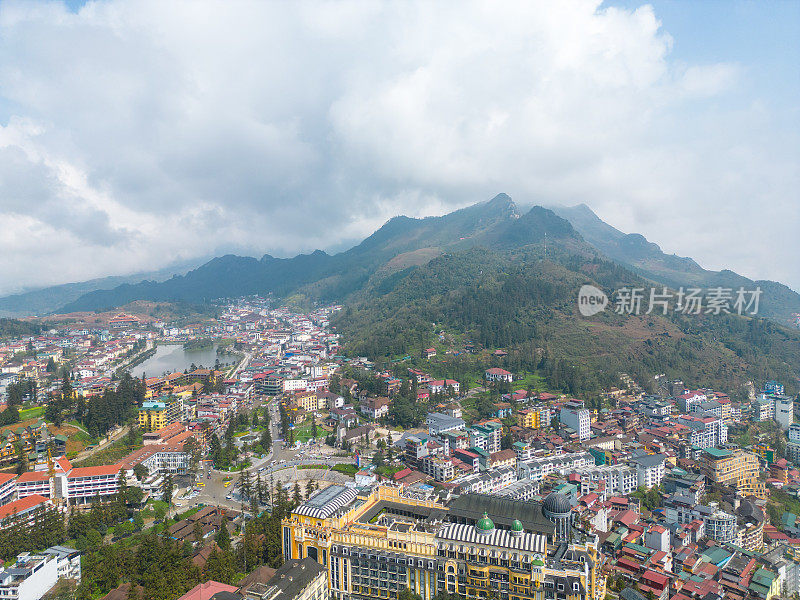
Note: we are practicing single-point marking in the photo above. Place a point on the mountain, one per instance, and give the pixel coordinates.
(400, 244)
(504, 278)
(778, 302)
(45, 300)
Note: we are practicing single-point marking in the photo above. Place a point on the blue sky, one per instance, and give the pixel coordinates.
(764, 36)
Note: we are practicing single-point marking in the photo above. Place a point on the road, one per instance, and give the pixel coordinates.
(115, 435)
(280, 462)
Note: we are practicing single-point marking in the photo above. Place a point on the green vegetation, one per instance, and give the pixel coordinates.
(12, 328)
(31, 413)
(345, 468)
(526, 305)
(115, 451)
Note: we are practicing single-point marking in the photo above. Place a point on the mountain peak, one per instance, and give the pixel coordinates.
(502, 202)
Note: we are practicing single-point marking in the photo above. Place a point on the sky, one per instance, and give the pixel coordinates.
(137, 134)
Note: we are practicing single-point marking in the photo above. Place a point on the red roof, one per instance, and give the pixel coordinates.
(5, 478)
(204, 591)
(400, 474)
(497, 371)
(32, 476)
(21, 505)
(94, 471)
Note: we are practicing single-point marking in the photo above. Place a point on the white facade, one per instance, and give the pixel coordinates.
(30, 578)
(539, 468)
(784, 410)
(577, 418)
(620, 479)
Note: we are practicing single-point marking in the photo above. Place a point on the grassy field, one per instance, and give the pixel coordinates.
(303, 432)
(345, 468)
(31, 413)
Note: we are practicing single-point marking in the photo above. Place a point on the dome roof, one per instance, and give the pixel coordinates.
(556, 503)
(516, 526)
(485, 523)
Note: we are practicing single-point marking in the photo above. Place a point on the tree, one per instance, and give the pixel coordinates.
(297, 497)
(266, 440)
(192, 448)
(310, 488)
(140, 471)
(168, 489)
(407, 594)
(197, 531)
(223, 537)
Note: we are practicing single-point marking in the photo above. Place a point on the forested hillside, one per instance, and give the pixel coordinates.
(526, 304)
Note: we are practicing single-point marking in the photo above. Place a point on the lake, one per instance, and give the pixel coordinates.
(172, 358)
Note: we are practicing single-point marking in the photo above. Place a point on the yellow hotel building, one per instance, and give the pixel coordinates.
(376, 543)
(735, 468)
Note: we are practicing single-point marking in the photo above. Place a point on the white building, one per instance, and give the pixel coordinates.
(33, 575)
(540, 467)
(784, 410)
(576, 417)
(649, 469)
(619, 479)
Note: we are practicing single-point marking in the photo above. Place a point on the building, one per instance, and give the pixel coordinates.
(538, 468)
(649, 469)
(497, 374)
(735, 469)
(23, 510)
(792, 448)
(309, 401)
(297, 579)
(485, 436)
(762, 409)
(704, 432)
(534, 417)
(448, 387)
(33, 575)
(440, 423)
(378, 543)
(375, 408)
(721, 526)
(575, 416)
(208, 590)
(8, 485)
(783, 410)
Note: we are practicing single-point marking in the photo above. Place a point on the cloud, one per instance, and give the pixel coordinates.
(138, 134)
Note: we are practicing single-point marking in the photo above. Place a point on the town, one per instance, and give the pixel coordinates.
(283, 468)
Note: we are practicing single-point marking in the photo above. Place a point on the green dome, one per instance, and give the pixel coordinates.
(485, 524)
(516, 525)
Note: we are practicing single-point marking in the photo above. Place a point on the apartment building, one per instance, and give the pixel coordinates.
(8, 485)
(540, 467)
(485, 436)
(575, 416)
(534, 417)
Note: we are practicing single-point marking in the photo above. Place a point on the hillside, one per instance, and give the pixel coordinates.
(400, 243)
(647, 259)
(45, 300)
(526, 304)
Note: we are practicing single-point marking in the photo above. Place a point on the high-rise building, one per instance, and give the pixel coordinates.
(578, 418)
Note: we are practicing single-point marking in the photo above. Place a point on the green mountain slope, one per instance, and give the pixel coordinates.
(526, 304)
(778, 302)
(400, 243)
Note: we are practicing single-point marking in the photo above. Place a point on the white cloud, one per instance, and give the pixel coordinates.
(141, 133)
